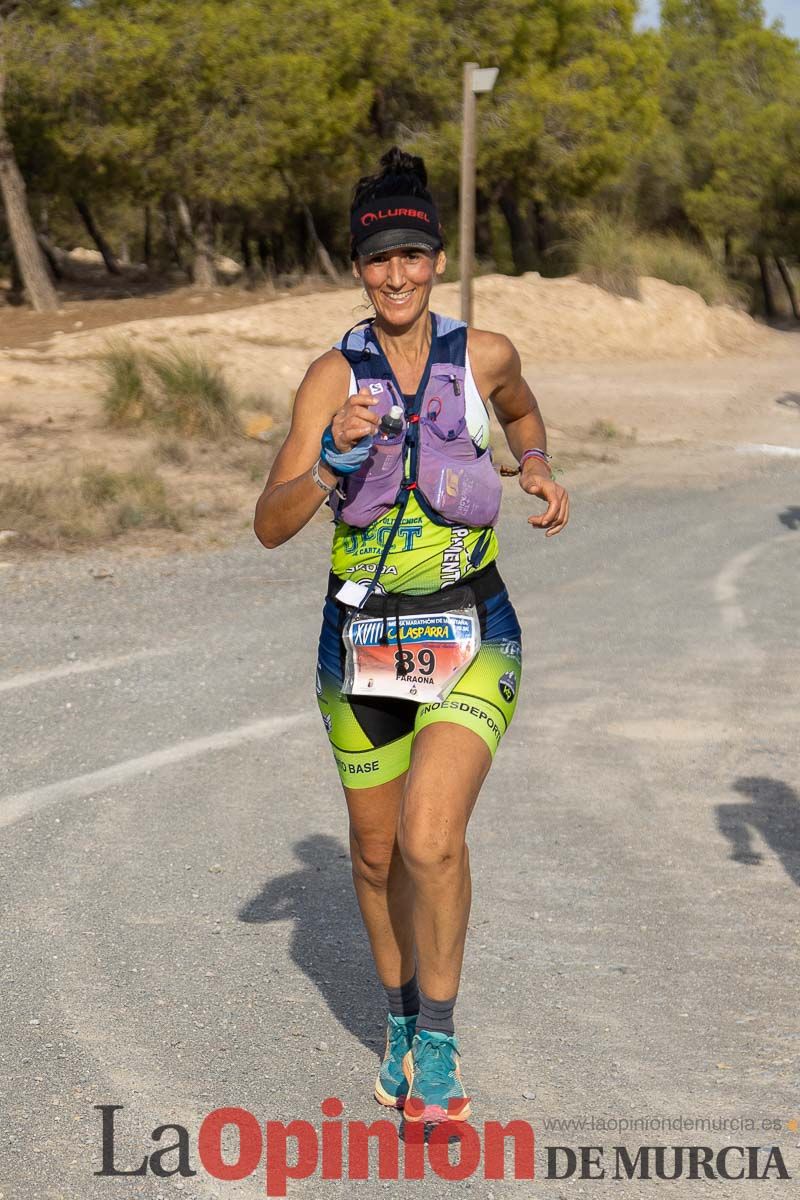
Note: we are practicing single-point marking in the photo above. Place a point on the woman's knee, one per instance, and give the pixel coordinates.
(424, 853)
(372, 861)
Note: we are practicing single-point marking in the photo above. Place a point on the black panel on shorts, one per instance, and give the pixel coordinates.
(383, 718)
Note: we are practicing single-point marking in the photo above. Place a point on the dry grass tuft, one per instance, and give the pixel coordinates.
(172, 389)
(613, 255)
(605, 255)
(65, 510)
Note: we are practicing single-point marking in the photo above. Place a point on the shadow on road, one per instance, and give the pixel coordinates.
(790, 517)
(773, 813)
(789, 399)
(329, 942)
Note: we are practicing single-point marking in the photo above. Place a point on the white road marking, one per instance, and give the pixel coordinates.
(726, 587)
(766, 448)
(726, 583)
(79, 668)
(16, 807)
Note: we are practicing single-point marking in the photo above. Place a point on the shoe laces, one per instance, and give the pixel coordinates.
(436, 1058)
(398, 1038)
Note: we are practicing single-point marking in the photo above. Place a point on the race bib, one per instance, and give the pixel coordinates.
(421, 658)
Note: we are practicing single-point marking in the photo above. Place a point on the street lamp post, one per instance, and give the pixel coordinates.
(476, 79)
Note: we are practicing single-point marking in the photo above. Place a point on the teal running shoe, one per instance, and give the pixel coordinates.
(391, 1086)
(432, 1068)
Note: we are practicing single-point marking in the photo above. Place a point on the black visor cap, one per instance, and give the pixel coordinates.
(395, 239)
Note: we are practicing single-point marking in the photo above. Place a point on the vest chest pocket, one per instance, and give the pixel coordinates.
(372, 490)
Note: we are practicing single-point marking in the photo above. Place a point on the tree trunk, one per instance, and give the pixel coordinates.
(29, 258)
(786, 276)
(85, 213)
(323, 258)
(267, 260)
(16, 295)
(184, 218)
(52, 254)
(244, 247)
(203, 273)
(766, 284)
(541, 229)
(172, 237)
(254, 272)
(377, 115)
(523, 251)
(483, 226)
(147, 249)
(281, 253)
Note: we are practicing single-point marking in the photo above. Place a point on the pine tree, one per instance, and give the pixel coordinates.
(30, 260)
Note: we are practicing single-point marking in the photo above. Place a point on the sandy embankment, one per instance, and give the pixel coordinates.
(663, 370)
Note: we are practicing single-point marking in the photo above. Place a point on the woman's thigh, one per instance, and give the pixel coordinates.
(485, 698)
(449, 764)
(374, 813)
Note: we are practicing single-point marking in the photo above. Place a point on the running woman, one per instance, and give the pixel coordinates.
(420, 650)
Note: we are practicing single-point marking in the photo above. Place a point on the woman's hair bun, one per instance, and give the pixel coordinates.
(398, 162)
(401, 174)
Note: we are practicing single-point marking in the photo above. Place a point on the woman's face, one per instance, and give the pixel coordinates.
(399, 282)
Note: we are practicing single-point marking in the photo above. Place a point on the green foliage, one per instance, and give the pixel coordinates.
(176, 388)
(249, 109)
(734, 96)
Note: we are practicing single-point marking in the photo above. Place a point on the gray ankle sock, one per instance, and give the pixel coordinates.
(404, 1000)
(435, 1015)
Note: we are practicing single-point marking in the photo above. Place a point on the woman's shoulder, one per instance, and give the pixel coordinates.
(330, 369)
(493, 358)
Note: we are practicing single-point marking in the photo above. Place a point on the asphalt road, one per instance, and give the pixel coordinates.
(179, 931)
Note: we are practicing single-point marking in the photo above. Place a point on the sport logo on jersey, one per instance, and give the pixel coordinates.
(512, 648)
(507, 686)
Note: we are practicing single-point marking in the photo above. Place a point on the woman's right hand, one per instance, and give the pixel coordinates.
(355, 420)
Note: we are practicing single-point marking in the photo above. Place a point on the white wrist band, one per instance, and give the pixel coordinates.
(319, 481)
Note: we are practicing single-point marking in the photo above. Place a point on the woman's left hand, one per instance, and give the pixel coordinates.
(557, 514)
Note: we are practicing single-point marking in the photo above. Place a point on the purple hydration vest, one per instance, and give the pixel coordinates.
(433, 454)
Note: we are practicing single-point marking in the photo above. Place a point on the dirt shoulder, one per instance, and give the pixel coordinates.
(661, 390)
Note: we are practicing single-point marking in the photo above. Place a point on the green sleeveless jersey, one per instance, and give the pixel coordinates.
(423, 558)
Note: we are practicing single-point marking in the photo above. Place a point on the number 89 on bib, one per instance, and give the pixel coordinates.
(420, 658)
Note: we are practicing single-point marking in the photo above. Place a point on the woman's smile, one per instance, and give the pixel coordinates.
(399, 298)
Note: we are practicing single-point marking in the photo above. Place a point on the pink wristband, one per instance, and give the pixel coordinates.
(535, 453)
